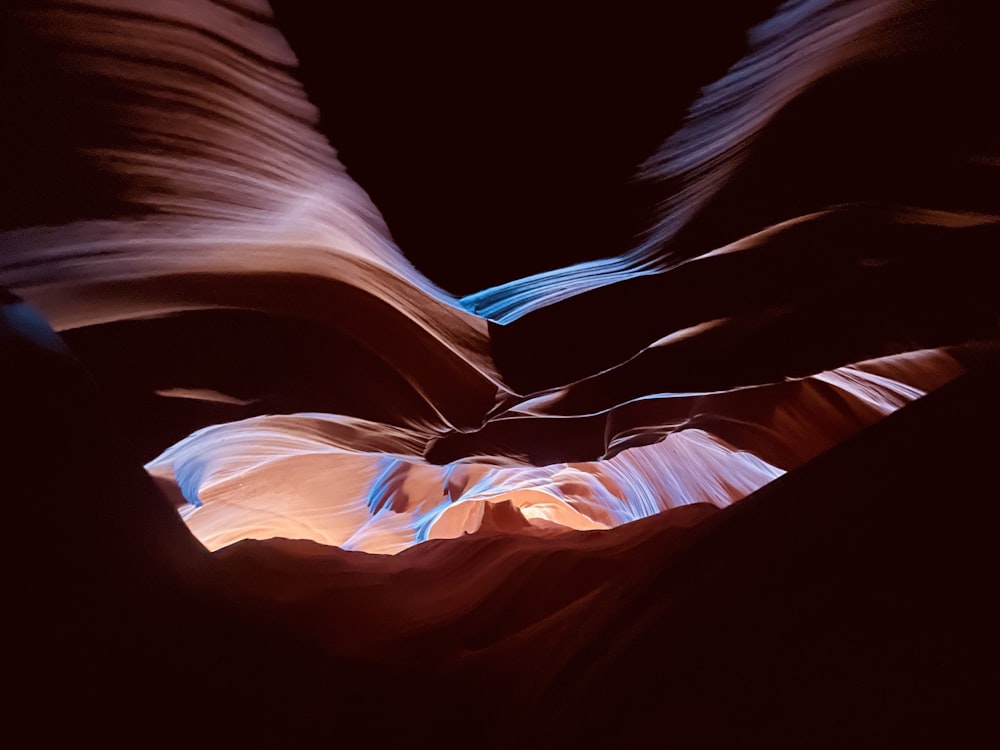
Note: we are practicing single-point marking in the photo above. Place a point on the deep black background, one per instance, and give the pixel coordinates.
(504, 141)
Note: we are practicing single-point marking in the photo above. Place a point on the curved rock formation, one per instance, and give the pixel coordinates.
(520, 504)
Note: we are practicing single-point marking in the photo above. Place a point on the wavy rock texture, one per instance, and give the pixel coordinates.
(544, 468)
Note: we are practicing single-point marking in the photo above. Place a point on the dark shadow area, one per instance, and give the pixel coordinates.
(504, 143)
